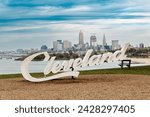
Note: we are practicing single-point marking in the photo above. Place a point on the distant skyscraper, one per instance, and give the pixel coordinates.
(81, 39)
(141, 45)
(44, 48)
(104, 40)
(55, 45)
(58, 45)
(93, 41)
(66, 44)
(115, 44)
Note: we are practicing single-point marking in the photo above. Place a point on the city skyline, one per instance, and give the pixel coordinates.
(66, 44)
(30, 24)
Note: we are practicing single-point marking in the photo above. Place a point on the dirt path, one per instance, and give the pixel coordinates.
(85, 87)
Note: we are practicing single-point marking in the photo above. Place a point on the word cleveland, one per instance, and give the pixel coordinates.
(63, 69)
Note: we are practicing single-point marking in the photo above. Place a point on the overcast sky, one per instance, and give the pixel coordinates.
(32, 23)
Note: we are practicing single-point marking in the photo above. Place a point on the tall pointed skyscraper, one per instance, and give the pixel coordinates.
(81, 39)
(104, 40)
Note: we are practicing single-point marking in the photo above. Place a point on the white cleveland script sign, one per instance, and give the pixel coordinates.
(63, 69)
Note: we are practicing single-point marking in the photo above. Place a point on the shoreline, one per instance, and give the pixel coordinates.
(141, 60)
(143, 70)
(13, 67)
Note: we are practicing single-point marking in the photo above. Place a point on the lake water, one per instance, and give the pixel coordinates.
(9, 66)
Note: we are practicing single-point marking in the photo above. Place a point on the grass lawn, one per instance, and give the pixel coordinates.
(142, 70)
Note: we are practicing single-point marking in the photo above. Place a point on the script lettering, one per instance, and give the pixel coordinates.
(63, 69)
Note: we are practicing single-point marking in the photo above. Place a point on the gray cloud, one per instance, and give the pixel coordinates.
(36, 21)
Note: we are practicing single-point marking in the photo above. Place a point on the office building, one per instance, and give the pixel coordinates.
(58, 45)
(66, 44)
(104, 40)
(141, 45)
(93, 41)
(44, 48)
(115, 44)
(81, 39)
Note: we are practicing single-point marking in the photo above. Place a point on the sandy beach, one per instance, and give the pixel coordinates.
(89, 87)
(141, 60)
